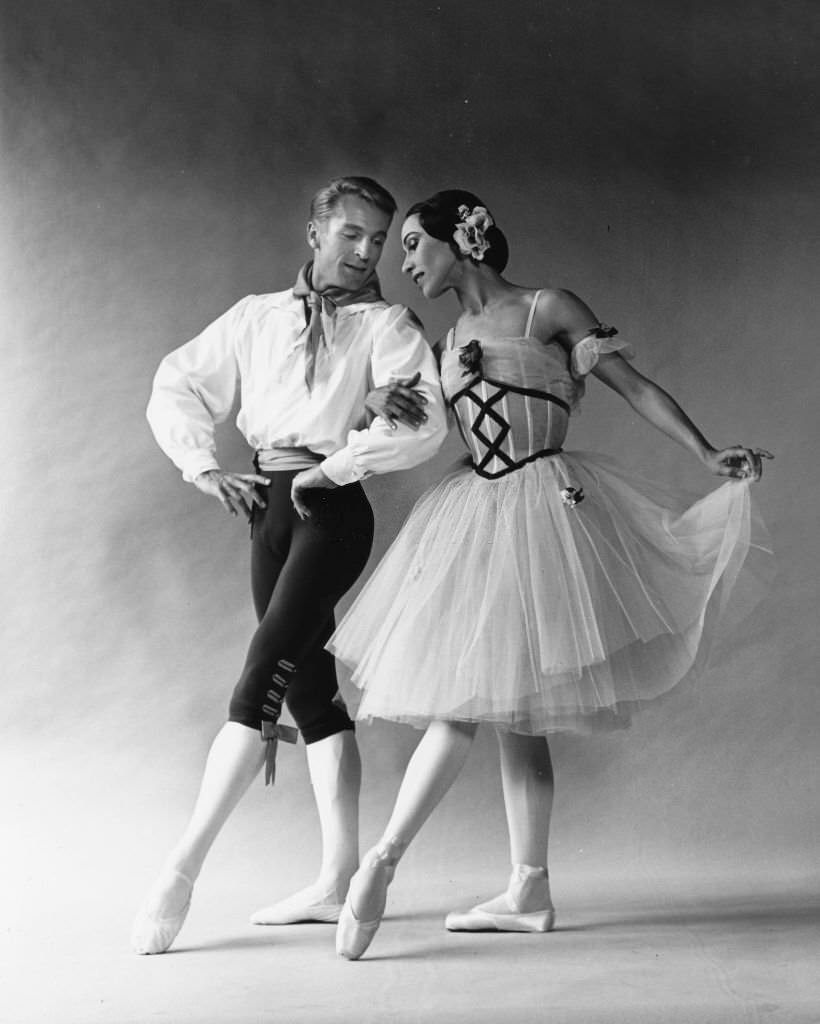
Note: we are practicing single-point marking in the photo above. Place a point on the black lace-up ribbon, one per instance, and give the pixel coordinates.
(272, 731)
(486, 411)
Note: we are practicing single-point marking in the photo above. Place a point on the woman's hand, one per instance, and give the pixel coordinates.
(308, 480)
(236, 492)
(738, 462)
(398, 402)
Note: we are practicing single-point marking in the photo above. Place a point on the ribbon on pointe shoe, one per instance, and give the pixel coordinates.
(525, 906)
(353, 936)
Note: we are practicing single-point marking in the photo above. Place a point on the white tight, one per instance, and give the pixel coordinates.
(527, 779)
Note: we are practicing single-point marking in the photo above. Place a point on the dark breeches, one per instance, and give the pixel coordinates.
(299, 570)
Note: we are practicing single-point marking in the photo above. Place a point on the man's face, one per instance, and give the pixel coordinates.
(348, 244)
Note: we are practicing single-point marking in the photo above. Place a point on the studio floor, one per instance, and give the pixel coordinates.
(669, 910)
(677, 950)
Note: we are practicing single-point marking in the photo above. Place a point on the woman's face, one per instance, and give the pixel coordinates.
(426, 259)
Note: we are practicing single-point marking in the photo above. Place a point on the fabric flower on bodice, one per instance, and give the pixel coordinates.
(470, 231)
(603, 331)
(470, 358)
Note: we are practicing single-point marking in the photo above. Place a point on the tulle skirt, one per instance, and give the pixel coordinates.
(500, 601)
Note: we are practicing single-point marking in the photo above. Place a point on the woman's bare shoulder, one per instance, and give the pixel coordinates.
(561, 301)
(561, 313)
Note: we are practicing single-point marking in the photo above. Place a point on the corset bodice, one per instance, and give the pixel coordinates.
(512, 399)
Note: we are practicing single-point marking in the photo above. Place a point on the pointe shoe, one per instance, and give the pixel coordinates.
(152, 934)
(300, 908)
(352, 935)
(506, 913)
(478, 920)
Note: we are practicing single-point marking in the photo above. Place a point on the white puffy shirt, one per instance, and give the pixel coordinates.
(260, 344)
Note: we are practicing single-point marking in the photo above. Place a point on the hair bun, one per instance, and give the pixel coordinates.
(499, 252)
(441, 214)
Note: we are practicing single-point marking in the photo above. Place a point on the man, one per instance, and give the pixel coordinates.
(305, 359)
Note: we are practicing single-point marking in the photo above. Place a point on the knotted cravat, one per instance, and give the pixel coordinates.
(326, 301)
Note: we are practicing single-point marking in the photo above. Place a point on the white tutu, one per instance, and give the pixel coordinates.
(499, 602)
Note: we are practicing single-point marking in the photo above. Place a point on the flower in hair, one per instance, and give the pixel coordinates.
(471, 229)
(470, 358)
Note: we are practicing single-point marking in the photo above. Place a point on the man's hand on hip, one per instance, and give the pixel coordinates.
(236, 492)
(308, 480)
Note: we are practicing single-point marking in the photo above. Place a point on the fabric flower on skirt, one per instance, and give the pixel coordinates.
(572, 496)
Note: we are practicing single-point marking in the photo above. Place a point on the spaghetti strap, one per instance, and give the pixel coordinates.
(449, 338)
(531, 317)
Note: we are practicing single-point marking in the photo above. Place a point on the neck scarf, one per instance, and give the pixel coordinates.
(325, 301)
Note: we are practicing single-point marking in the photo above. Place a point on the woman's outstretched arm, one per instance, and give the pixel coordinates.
(660, 409)
(570, 320)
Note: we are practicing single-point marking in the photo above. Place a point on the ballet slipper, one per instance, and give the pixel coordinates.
(370, 883)
(152, 933)
(478, 920)
(301, 907)
(526, 906)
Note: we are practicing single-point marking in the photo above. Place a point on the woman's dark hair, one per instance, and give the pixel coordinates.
(439, 215)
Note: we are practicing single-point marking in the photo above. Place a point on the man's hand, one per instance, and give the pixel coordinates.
(398, 402)
(236, 492)
(738, 462)
(308, 480)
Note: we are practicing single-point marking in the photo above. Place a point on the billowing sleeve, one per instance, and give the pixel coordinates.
(399, 349)
(600, 341)
(193, 390)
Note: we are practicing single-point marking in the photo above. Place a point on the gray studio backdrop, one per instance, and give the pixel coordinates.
(657, 158)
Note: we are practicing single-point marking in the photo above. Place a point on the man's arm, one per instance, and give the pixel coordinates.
(399, 351)
(194, 390)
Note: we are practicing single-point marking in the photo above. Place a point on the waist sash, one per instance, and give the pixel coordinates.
(272, 460)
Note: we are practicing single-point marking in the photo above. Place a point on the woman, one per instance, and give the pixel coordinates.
(532, 589)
